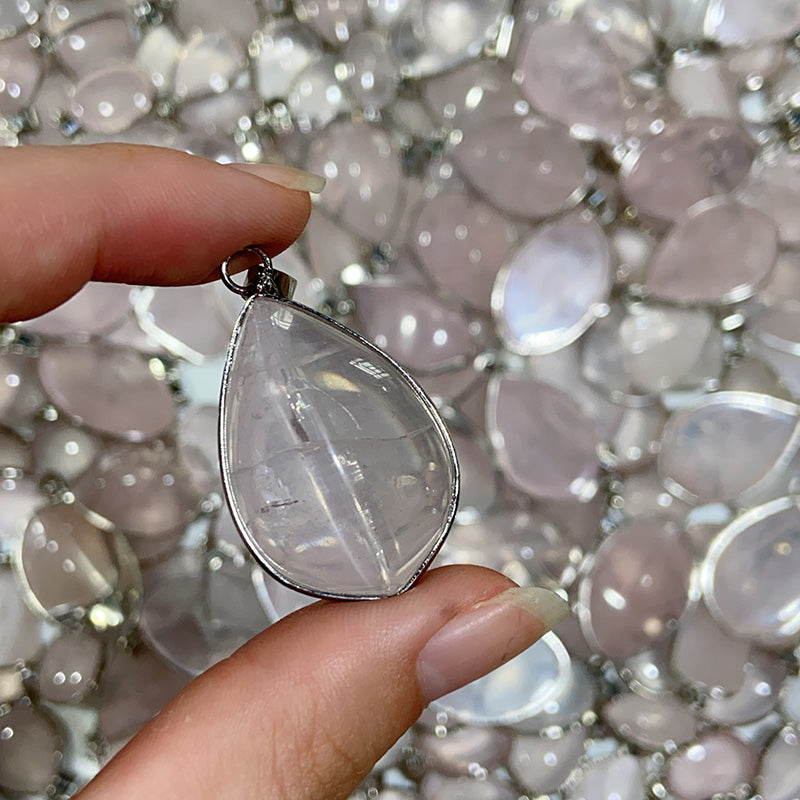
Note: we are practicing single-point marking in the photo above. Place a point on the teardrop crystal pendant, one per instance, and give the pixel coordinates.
(338, 471)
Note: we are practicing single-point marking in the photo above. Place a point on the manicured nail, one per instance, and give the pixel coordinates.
(485, 636)
(289, 177)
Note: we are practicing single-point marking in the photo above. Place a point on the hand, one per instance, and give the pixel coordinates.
(306, 708)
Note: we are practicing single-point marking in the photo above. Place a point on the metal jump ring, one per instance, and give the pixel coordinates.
(246, 290)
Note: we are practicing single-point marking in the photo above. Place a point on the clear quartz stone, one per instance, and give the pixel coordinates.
(703, 444)
(238, 18)
(89, 47)
(335, 20)
(523, 165)
(323, 437)
(69, 667)
(62, 15)
(621, 774)
(64, 449)
(703, 86)
(553, 287)
(638, 586)
(208, 65)
(748, 574)
(157, 56)
(110, 99)
(569, 74)
(738, 22)
(373, 77)
(316, 97)
(653, 724)
(283, 49)
(455, 753)
(21, 394)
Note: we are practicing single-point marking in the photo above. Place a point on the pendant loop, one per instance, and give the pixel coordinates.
(262, 278)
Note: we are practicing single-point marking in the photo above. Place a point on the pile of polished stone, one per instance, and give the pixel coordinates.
(577, 224)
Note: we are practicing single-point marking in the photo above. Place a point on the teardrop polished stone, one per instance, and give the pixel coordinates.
(282, 50)
(339, 472)
(780, 767)
(460, 749)
(112, 98)
(542, 763)
(651, 724)
(749, 577)
(703, 447)
(69, 667)
(30, 750)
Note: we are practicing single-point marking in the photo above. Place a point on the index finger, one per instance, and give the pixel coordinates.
(129, 214)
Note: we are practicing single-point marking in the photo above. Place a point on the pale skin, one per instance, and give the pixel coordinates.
(306, 708)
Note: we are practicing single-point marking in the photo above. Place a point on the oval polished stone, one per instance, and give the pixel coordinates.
(718, 763)
(462, 243)
(521, 688)
(283, 49)
(62, 15)
(363, 175)
(663, 723)
(112, 98)
(745, 247)
(199, 609)
(544, 442)
(543, 763)
(703, 86)
(414, 326)
(323, 436)
(780, 767)
(554, 286)
(64, 449)
(144, 490)
(691, 160)
(637, 353)
(755, 698)
(20, 73)
(373, 77)
(21, 394)
(620, 776)
(773, 187)
(460, 749)
(207, 65)
(316, 97)
(702, 448)
(69, 668)
(523, 165)
(569, 73)
(89, 47)
(93, 310)
(110, 389)
(76, 572)
(748, 577)
(30, 750)
(638, 586)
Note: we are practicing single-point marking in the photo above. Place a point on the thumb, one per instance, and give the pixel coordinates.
(304, 710)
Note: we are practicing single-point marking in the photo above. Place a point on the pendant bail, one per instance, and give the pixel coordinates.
(262, 278)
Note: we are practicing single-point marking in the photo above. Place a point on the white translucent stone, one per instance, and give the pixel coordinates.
(373, 77)
(748, 576)
(323, 437)
(20, 73)
(111, 99)
(219, 112)
(95, 309)
(635, 354)
(335, 20)
(64, 449)
(739, 22)
(460, 749)
(89, 47)
(316, 96)
(551, 453)
(69, 668)
(208, 65)
(653, 724)
(678, 21)
(21, 394)
(745, 246)
(520, 688)
(643, 494)
(780, 767)
(568, 73)
(619, 776)
(703, 86)
(157, 56)
(543, 763)
(438, 787)
(553, 287)
(283, 49)
(16, 15)
(61, 15)
(434, 35)
(634, 443)
(31, 750)
(523, 165)
(687, 162)
(236, 17)
(773, 187)
(703, 445)
(364, 175)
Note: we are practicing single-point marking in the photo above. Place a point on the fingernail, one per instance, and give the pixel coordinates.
(485, 636)
(289, 177)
